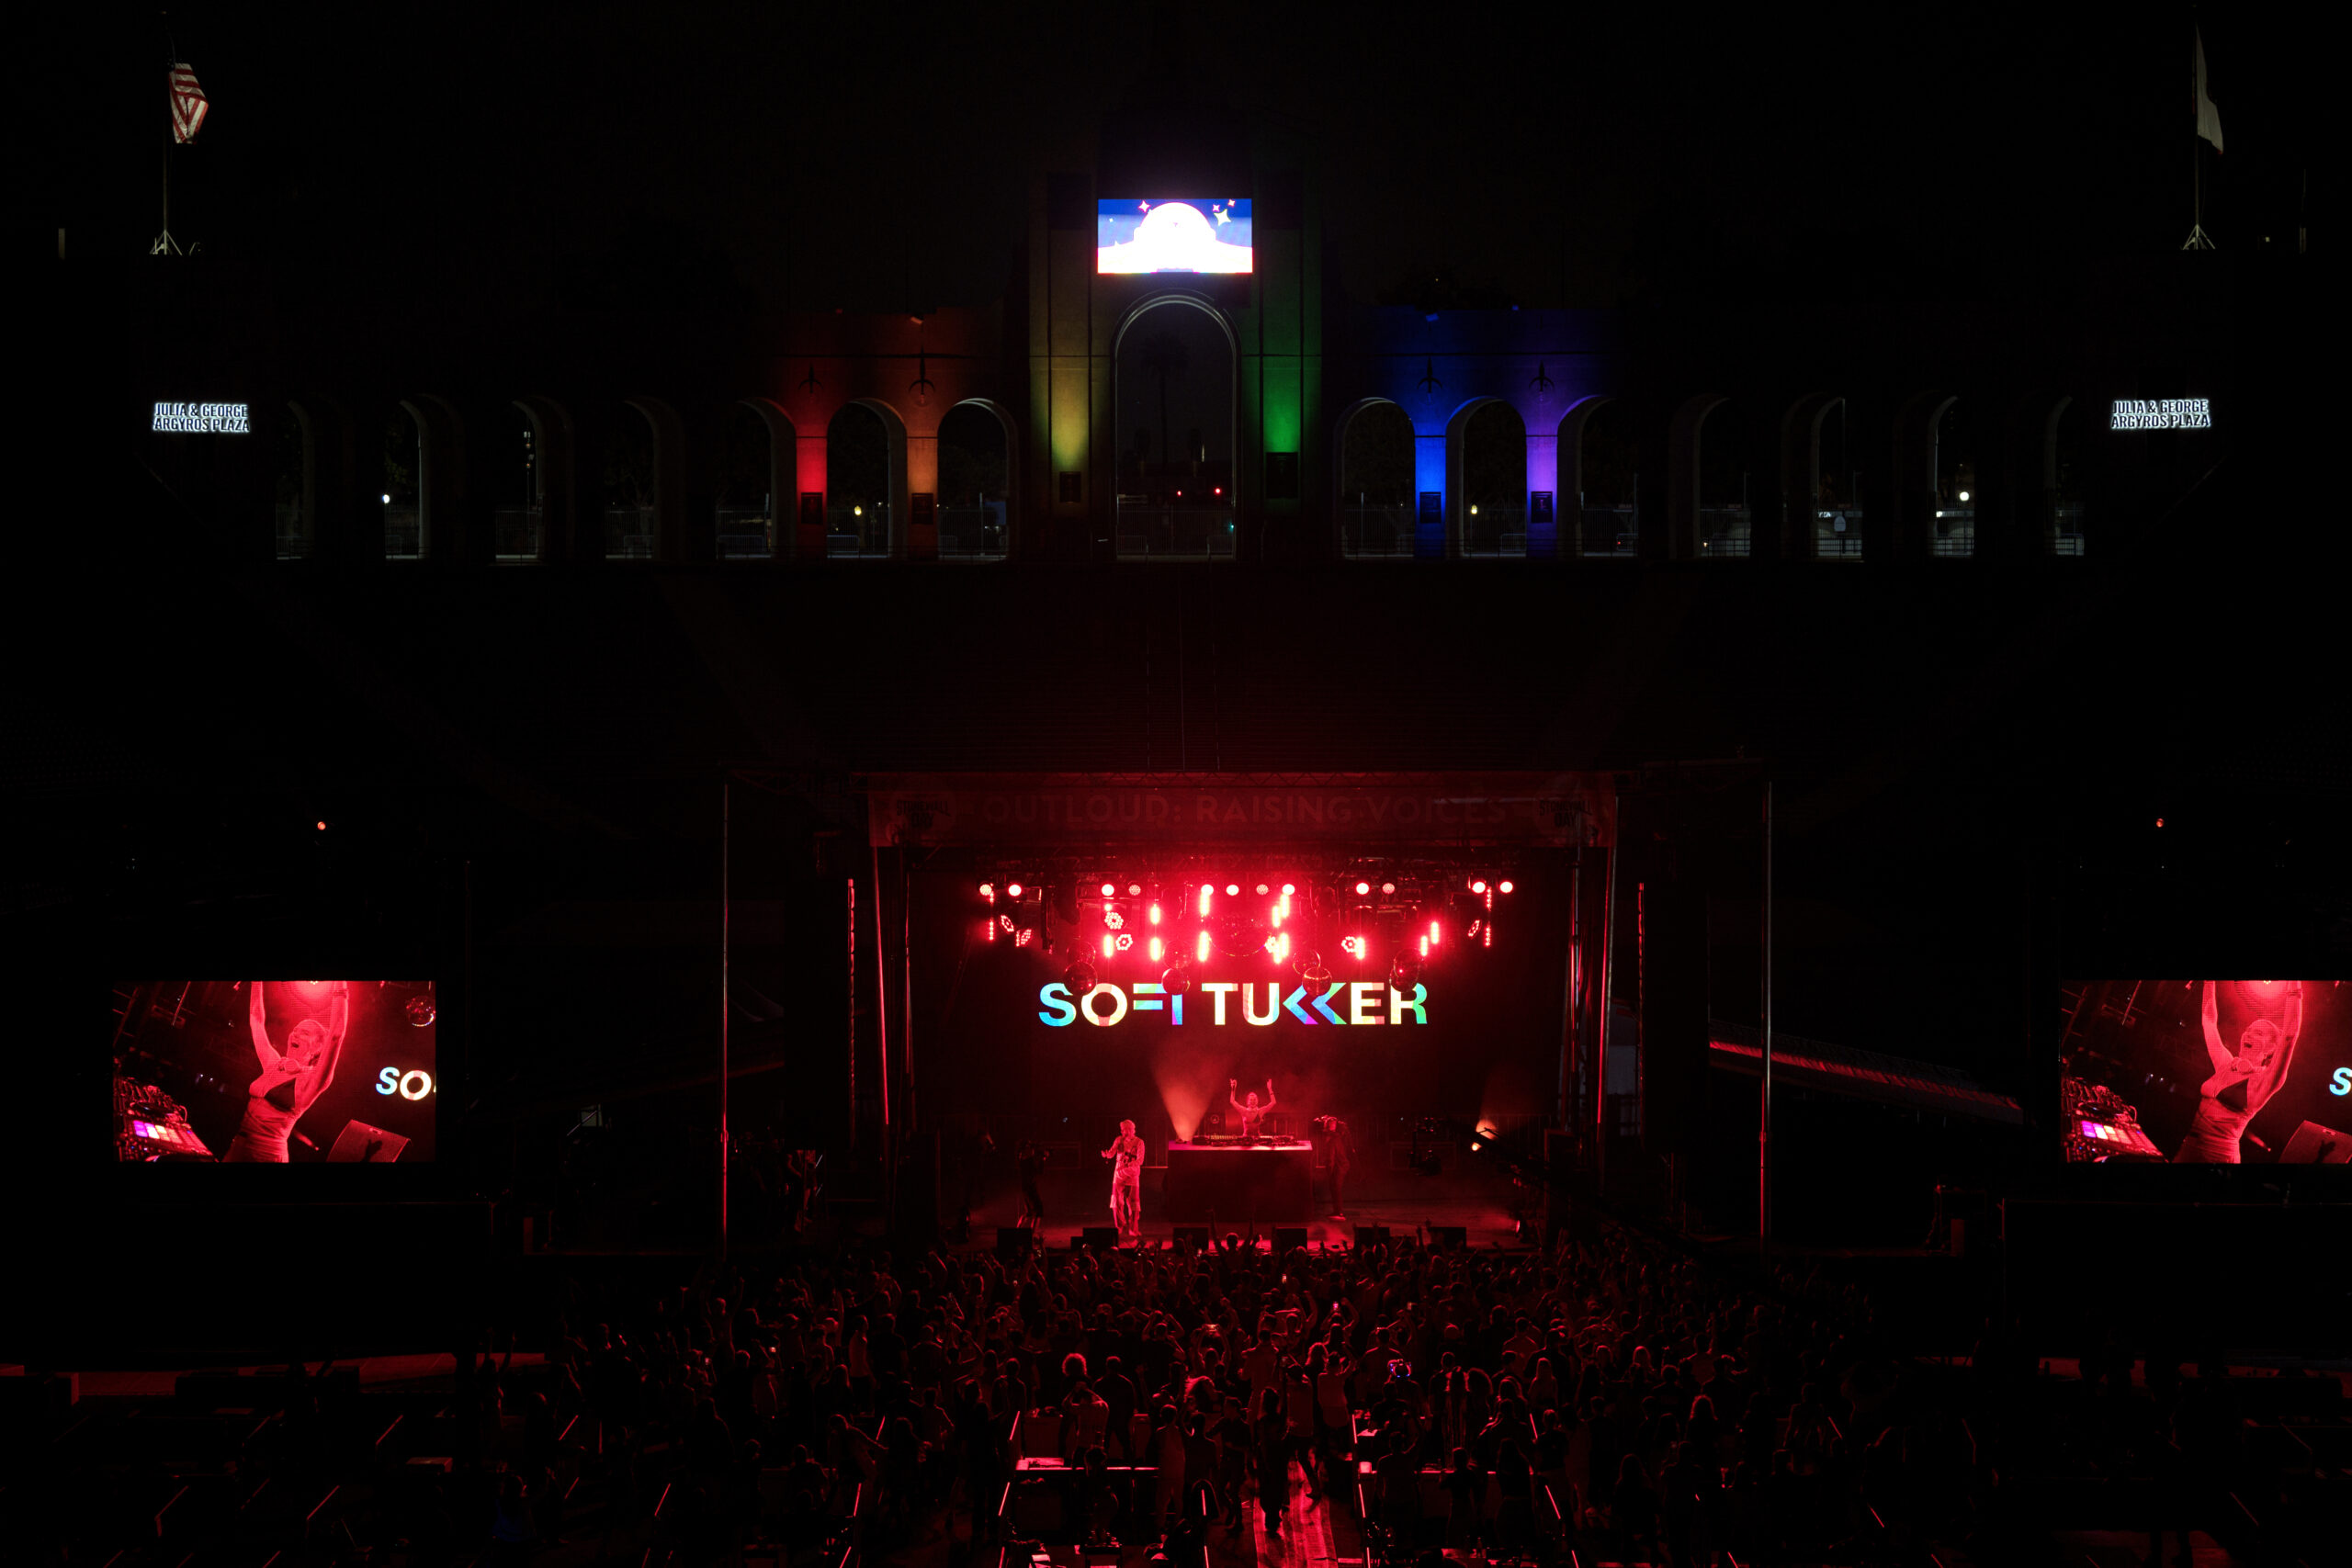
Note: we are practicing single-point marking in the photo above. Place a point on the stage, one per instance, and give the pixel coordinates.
(1407, 1208)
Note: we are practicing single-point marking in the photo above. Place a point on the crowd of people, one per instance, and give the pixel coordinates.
(1608, 1388)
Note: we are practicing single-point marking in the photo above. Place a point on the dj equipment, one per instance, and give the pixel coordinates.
(1289, 1238)
(148, 1124)
(2099, 1124)
(1236, 1141)
(1096, 1238)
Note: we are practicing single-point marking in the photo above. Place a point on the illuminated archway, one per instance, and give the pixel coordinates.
(1372, 490)
(1176, 378)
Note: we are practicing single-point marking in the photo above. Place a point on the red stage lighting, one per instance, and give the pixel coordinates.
(1435, 932)
(1134, 889)
(1478, 885)
(1289, 888)
(1200, 949)
(1156, 949)
(1352, 944)
(1363, 888)
(1126, 940)
(987, 930)
(1108, 890)
(1233, 890)
(1113, 918)
(1207, 893)
(322, 827)
(1502, 887)
(988, 892)
(1489, 938)
(1155, 914)
(1425, 947)
(1262, 890)
(1106, 944)
(1023, 936)
(1012, 890)
(1388, 887)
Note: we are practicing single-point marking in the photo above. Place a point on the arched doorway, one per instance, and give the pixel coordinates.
(403, 492)
(517, 482)
(1376, 488)
(866, 464)
(294, 522)
(975, 482)
(1608, 478)
(1725, 530)
(744, 512)
(1174, 410)
(628, 485)
(1952, 461)
(1491, 481)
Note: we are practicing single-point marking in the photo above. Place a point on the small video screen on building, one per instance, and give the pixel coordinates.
(2207, 1072)
(275, 1072)
(1173, 234)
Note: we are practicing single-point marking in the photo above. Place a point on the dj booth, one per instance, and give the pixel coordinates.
(1233, 1182)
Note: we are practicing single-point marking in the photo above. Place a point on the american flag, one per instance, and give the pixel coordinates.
(190, 105)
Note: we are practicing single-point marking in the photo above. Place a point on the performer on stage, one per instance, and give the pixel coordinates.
(2242, 1083)
(1334, 1135)
(1253, 1113)
(1031, 1160)
(290, 1081)
(1126, 1154)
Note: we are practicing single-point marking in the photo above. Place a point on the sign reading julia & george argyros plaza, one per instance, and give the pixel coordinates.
(203, 419)
(2161, 413)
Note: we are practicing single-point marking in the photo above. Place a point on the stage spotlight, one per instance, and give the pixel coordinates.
(1207, 893)
(1108, 944)
(1124, 941)
(1006, 921)
(1079, 978)
(1114, 920)
(1363, 888)
(1404, 973)
(987, 930)
(1134, 889)
(1156, 949)
(988, 892)
(1289, 888)
(1201, 948)
(1502, 887)
(1108, 890)
(1425, 947)
(1435, 932)
(1154, 914)
(1012, 890)
(1233, 890)
(1262, 890)
(1388, 887)
(1478, 885)
(1023, 936)
(1354, 946)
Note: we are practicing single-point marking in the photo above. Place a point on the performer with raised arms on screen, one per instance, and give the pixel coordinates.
(1126, 1154)
(290, 1081)
(1253, 1113)
(2243, 1080)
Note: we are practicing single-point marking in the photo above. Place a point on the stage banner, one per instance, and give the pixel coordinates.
(1549, 810)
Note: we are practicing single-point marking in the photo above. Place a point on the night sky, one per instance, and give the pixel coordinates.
(751, 155)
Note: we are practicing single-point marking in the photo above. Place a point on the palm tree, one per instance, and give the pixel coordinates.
(1164, 356)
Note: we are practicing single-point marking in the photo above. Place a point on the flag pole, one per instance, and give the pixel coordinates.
(2198, 239)
(164, 244)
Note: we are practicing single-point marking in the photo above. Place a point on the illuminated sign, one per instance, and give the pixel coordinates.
(1358, 1002)
(1176, 236)
(203, 419)
(2161, 413)
(409, 1085)
(2342, 1082)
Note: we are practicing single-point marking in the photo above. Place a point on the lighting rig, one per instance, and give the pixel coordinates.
(1351, 920)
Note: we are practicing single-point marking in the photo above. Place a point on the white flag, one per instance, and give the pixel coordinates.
(2209, 118)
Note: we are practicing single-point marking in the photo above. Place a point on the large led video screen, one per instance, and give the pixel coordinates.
(2207, 1072)
(275, 1072)
(1172, 234)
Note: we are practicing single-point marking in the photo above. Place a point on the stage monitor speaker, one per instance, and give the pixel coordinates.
(1289, 1238)
(1448, 1238)
(1013, 1241)
(1096, 1238)
(1196, 1236)
(1370, 1236)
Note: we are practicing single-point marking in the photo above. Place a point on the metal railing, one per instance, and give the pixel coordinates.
(1955, 532)
(629, 533)
(2066, 536)
(1611, 530)
(517, 533)
(1493, 533)
(1724, 531)
(1175, 533)
(857, 532)
(403, 533)
(745, 532)
(973, 533)
(293, 533)
(1837, 534)
(1376, 532)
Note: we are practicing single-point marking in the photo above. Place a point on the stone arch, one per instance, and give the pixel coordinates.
(1818, 520)
(1682, 439)
(1914, 461)
(669, 499)
(980, 529)
(556, 446)
(1158, 524)
(2066, 477)
(1373, 500)
(850, 532)
(294, 519)
(1573, 499)
(738, 515)
(1468, 532)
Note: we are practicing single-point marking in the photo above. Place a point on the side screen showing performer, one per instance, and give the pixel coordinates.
(1126, 1154)
(290, 1081)
(1252, 1114)
(2242, 1081)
